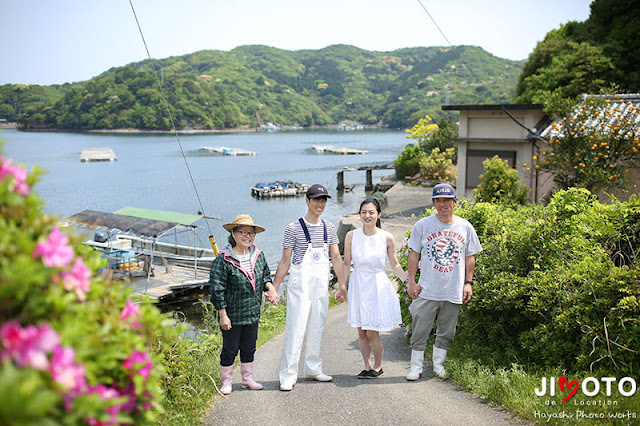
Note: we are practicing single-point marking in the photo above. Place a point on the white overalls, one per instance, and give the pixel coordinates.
(307, 308)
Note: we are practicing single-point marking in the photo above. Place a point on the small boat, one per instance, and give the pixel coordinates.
(279, 189)
(129, 240)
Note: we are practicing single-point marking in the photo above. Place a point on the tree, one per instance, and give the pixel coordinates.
(408, 162)
(582, 57)
(576, 68)
(594, 145)
(445, 137)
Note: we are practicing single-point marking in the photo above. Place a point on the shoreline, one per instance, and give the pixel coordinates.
(240, 129)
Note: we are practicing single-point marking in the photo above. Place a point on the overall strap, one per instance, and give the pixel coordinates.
(306, 231)
(324, 224)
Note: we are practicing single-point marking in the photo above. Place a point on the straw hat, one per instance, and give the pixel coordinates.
(241, 220)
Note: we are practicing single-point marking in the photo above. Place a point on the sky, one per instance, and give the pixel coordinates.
(54, 42)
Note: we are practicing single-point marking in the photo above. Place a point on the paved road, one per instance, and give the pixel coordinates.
(389, 400)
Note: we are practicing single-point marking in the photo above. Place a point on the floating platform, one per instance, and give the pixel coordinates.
(223, 150)
(338, 150)
(98, 154)
(279, 189)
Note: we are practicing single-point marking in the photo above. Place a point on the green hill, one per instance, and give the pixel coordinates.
(216, 89)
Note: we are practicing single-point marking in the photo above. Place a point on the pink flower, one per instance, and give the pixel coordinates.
(137, 358)
(54, 252)
(107, 394)
(65, 371)
(19, 184)
(131, 310)
(28, 346)
(78, 280)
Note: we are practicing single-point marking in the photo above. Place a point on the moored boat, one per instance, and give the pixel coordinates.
(279, 189)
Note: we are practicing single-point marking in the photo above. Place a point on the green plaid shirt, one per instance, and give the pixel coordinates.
(232, 289)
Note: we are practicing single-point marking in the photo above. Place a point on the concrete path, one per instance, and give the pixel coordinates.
(406, 205)
(388, 400)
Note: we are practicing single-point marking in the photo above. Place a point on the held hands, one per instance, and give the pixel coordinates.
(340, 294)
(413, 289)
(272, 297)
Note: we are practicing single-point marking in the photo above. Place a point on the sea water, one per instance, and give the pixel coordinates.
(151, 173)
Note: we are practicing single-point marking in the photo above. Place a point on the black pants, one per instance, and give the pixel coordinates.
(242, 337)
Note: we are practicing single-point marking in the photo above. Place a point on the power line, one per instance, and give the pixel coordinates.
(452, 47)
(173, 126)
(502, 105)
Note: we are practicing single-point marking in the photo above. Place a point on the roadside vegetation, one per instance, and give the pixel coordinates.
(557, 294)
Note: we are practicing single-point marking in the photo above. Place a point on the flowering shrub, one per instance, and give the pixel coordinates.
(593, 145)
(73, 349)
(556, 286)
(500, 184)
(438, 166)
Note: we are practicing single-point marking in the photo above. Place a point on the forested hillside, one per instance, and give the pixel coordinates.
(584, 57)
(216, 89)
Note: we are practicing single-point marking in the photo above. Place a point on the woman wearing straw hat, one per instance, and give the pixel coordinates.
(239, 276)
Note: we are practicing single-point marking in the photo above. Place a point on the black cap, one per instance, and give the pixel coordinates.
(316, 191)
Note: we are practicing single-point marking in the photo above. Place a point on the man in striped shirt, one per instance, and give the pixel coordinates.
(309, 247)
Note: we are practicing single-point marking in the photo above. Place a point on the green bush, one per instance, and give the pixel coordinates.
(439, 166)
(74, 349)
(553, 287)
(408, 162)
(500, 184)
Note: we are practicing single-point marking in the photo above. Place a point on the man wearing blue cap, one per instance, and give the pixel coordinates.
(445, 246)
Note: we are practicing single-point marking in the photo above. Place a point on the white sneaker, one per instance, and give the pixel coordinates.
(320, 378)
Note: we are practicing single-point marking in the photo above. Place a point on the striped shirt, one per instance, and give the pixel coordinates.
(245, 260)
(295, 239)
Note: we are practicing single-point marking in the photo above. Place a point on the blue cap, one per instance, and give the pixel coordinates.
(443, 190)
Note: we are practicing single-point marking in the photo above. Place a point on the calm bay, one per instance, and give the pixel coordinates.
(151, 173)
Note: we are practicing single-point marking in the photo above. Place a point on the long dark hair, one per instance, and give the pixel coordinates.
(376, 203)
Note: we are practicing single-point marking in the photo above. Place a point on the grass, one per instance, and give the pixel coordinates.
(513, 388)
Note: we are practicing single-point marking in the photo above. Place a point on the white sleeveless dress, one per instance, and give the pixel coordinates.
(373, 302)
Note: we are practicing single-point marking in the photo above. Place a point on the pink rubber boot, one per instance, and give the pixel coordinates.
(246, 370)
(226, 373)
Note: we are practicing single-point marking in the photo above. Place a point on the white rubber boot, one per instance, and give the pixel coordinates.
(439, 355)
(226, 373)
(417, 359)
(246, 370)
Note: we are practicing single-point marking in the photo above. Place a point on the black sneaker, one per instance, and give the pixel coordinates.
(363, 374)
(373, 374)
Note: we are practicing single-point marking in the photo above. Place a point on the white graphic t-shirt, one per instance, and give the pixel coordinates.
(443, 248)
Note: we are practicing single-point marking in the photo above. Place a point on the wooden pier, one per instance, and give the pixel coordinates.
(223, 150)
(97, 154)
(169, 280)
(369, 170)
(338, 150)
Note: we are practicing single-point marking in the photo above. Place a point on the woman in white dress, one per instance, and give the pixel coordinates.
(373, 302)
